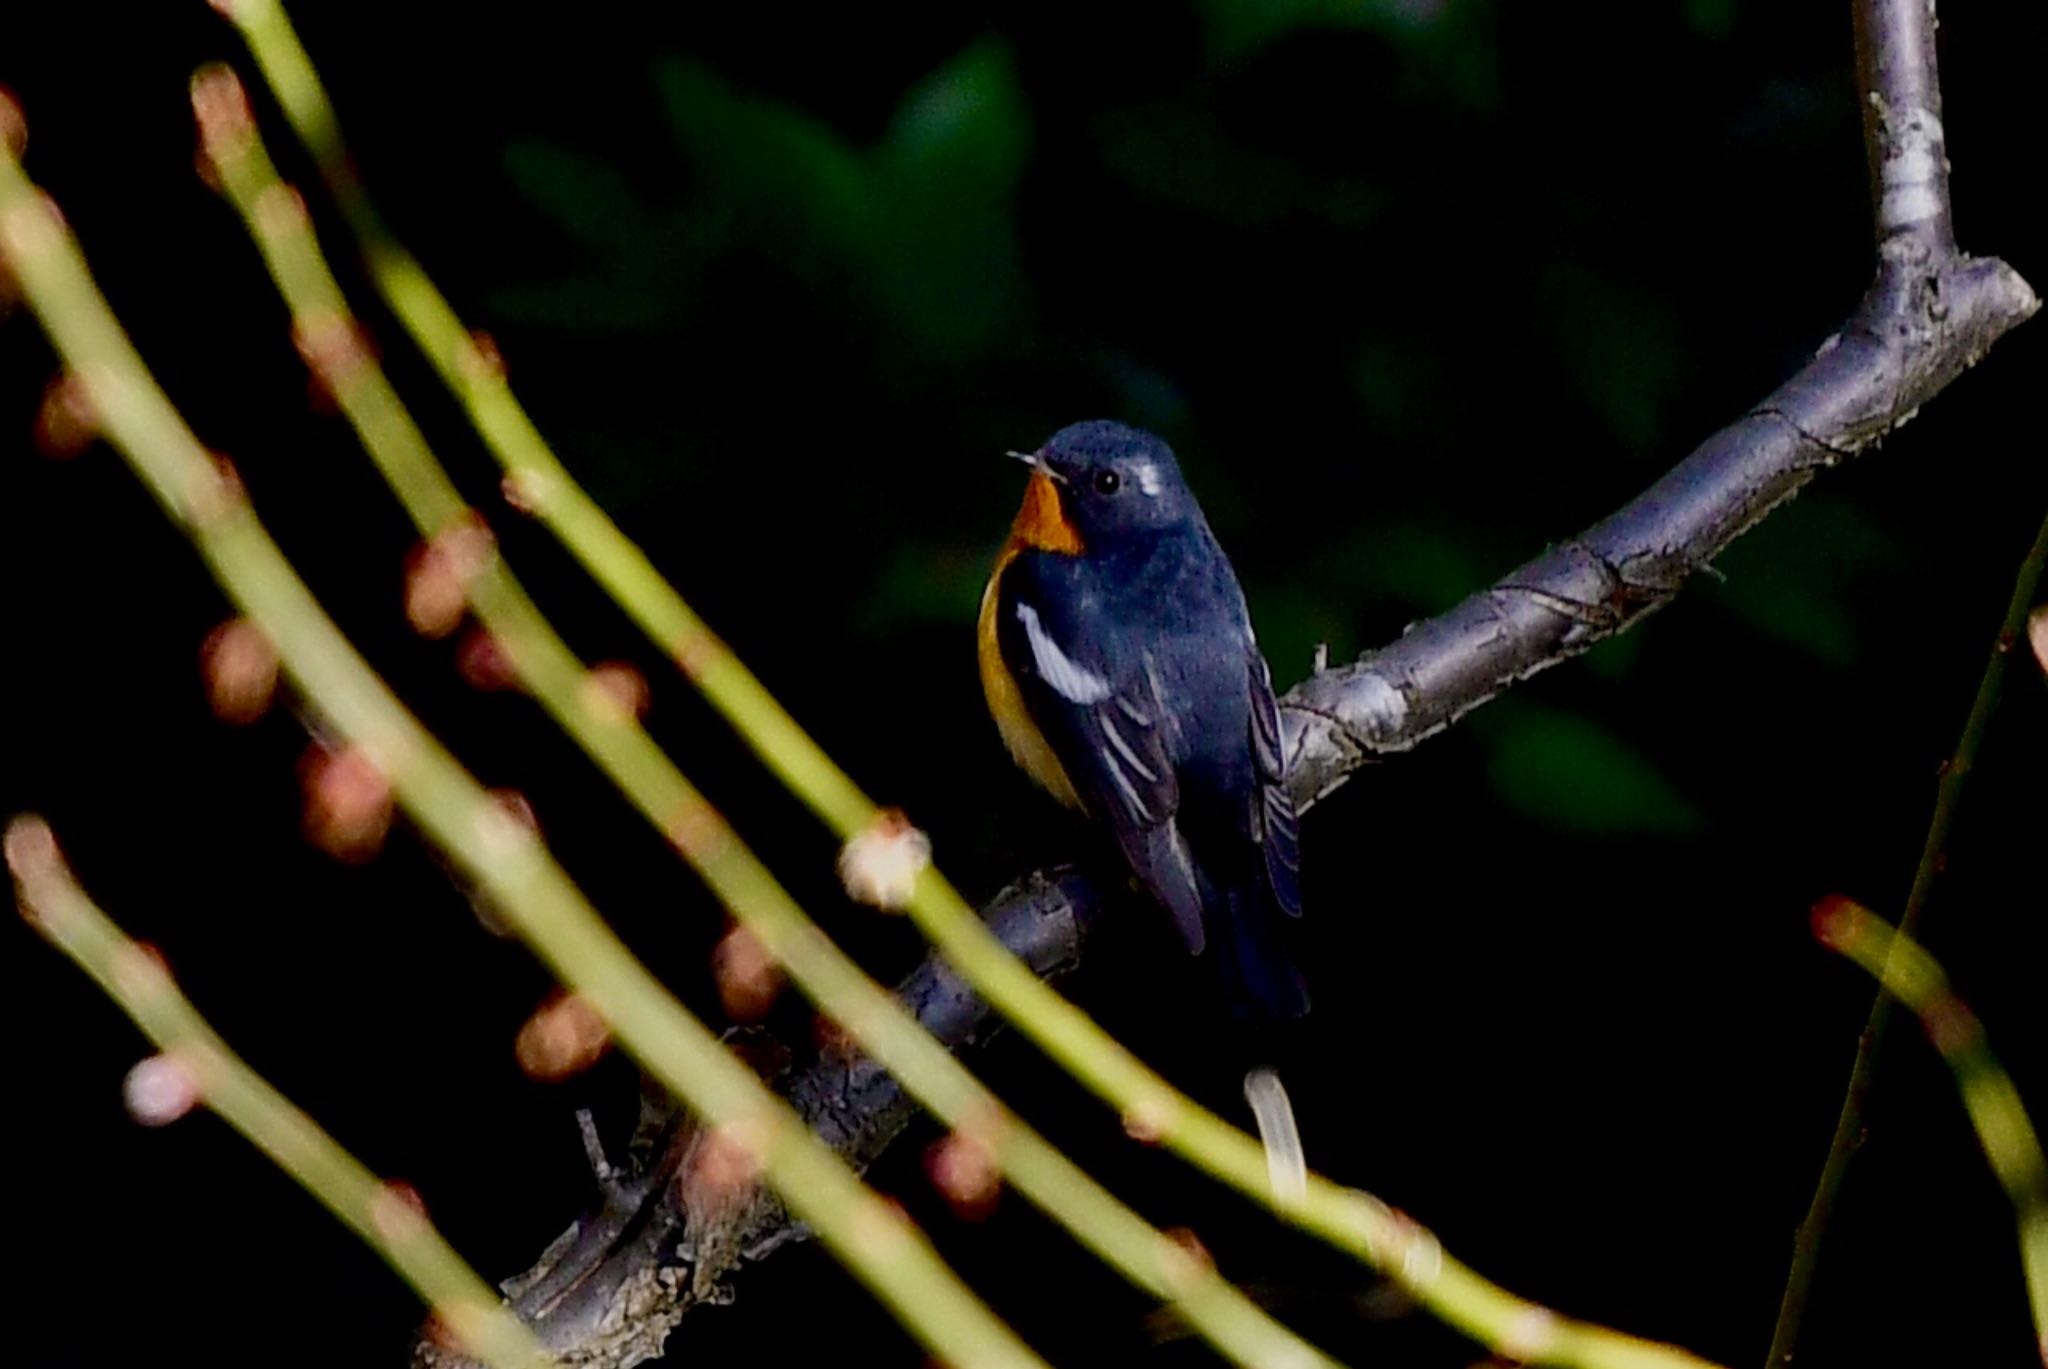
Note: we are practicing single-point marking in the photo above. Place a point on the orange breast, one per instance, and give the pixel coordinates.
(1027, 743)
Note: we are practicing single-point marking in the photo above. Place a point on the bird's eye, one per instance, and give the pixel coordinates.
(1108, 482)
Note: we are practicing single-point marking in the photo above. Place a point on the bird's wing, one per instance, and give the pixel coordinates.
(1274, 823)
(1104, 720)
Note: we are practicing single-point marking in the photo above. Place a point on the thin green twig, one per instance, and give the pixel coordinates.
(657, 788)
(539, 482)
(381, 1215)
(1908, 973)
(1348, 1218)
(1848, 1135)
(871, 1237)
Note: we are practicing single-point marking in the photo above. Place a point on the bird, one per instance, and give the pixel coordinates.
(1119, 662)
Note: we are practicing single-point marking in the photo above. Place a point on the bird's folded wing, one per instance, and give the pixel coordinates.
(1274, 822)
(1109, 730)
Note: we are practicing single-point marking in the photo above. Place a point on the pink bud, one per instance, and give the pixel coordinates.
(1837, 921)
(748, 977)
(482, 360)
(334, 349)
(525, 491)
(482, 661)
(614, 692)
(439, 573)
(13, 126)
(160, 1090)
(1185, 1259)
(963, 1169)
(1145, 1121)
(348, 803)
(880, 866)
(726, 1161)
(65, 423)
(398, 1212)
(240, 666)
(222, 109)
(564, 1037)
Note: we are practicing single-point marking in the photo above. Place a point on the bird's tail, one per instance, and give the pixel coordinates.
(1259, 972)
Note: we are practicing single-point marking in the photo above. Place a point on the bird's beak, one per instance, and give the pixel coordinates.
(1036, 460)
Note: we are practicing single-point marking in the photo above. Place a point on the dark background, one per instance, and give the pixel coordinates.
(1412, 287)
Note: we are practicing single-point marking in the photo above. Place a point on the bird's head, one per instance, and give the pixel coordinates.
(1096, 481)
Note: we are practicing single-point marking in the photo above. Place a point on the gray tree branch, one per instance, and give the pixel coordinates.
(609, 1290)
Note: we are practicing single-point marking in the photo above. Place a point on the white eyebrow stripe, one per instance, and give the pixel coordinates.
(1071, 681)
(1124, 748)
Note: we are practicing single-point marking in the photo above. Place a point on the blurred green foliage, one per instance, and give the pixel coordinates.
(1570, 772)
(917, 229)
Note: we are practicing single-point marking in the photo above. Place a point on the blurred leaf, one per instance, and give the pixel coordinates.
(965, 125)
(588, 198)
(1397, 383)
(633, 271)
(1292, 621)
(1450, 50)
(1615, 656)
(1621, 348)
(948, 173)
(1418, 567)
(1796, 575)
(1183, 156)
(1569, 772)
(1711, 18)
(784, 182)
(926, 582)
(920, 227)
(1237, 28)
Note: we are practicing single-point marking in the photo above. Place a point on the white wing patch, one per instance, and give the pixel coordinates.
(1071, 681)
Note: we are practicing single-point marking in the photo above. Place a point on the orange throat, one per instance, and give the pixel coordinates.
(1042, 522)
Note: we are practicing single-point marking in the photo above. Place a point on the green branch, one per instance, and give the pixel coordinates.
(657, 788)
(1848, 1135)
(870, 1237)
(1905, 970)
(211, 1074)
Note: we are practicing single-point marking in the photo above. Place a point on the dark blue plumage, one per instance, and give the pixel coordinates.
(1115, 626)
